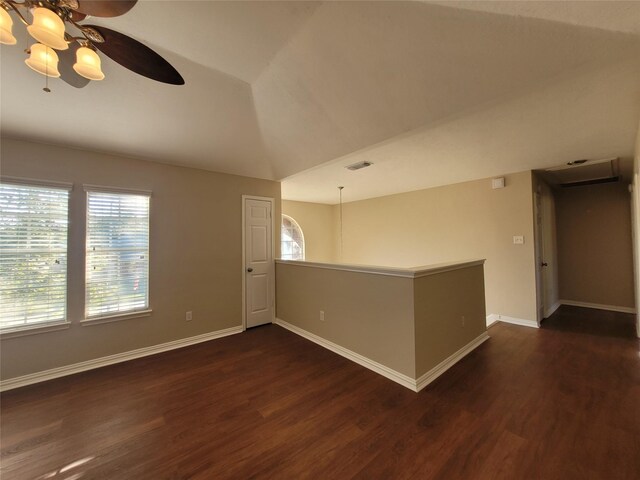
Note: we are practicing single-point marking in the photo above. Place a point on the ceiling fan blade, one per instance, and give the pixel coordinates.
(105, 8)
(65, 66)
(77, 16)
(135, 56)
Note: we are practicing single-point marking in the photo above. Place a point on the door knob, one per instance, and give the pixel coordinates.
(544, 264)
(249, 269)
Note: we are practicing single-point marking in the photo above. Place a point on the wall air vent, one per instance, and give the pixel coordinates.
(358, 166)
(576, 162)
(578, 173)
(590, 182)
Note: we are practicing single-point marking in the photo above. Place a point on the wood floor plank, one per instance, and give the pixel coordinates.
(561, 402)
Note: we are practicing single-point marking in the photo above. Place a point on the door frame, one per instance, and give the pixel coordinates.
(634, 189)
(272, 201)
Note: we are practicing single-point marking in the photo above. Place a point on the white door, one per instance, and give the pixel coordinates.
(549, 252)
(546, 253)
(540, 258)
(258, 265)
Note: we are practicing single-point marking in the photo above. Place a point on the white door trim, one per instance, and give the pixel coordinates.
(273, 255)
(635, 240)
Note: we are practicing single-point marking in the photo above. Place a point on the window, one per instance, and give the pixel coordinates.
(33, 255)
(117, 257)
(292, 240)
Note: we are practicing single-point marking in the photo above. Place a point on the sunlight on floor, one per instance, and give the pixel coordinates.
(58, 474)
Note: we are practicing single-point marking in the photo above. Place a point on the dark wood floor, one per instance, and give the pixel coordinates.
(528, 404)
(589, 321)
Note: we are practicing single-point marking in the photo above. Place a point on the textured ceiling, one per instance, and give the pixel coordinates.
(239, 38)
(616, 16)
(591, 115)
(431, 94)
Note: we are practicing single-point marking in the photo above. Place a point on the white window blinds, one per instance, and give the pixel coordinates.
(33, 255)
(117, 257)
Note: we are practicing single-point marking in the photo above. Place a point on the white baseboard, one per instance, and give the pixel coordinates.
(449, 362)
(400, 378)
(552, 309)
(598, 306)
(391, 374)
(111, 359)
(494, 317)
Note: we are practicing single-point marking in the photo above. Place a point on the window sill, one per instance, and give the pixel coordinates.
(34, 330)
(87, 322)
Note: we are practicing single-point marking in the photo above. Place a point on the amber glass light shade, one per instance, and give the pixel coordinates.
(48, 29)
(88, 64)
(43, 60)
(6, 37)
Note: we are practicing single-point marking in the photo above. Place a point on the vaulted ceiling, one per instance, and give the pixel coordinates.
(430, 93)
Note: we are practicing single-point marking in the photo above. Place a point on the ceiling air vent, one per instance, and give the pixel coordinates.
(358, 166)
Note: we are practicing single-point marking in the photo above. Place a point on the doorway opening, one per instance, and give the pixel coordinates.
(584, 245)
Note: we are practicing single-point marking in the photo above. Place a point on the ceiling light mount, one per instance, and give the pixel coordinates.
(91, 34)
(69, 4)
(358, 166)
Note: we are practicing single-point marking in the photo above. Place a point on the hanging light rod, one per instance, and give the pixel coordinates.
(54, 44)
(340, 188)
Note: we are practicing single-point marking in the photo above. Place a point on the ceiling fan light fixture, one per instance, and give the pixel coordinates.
(43, 60)
(88, 64)
(48, 29)
(45, 20)
(6, 36)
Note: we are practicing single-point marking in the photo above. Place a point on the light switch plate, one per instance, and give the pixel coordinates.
(497, 183)
(518, 240)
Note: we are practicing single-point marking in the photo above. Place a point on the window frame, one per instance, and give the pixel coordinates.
(120, 315)
(304, 242)
(64, 323)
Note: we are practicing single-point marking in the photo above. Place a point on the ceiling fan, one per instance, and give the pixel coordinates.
(73, 58)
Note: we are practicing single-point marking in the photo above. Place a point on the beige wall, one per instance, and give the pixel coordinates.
(407, 324)
(449, 314)
(451, 223)
(594, 245)
(195, 253)
(371, 315)
(318, 227)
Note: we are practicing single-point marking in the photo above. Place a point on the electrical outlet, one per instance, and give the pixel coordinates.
(189, 316)
(322, 315)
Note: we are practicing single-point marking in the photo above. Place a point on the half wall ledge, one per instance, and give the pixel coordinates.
(408, 324)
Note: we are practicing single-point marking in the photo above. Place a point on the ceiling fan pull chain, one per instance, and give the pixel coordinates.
(46, 77)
